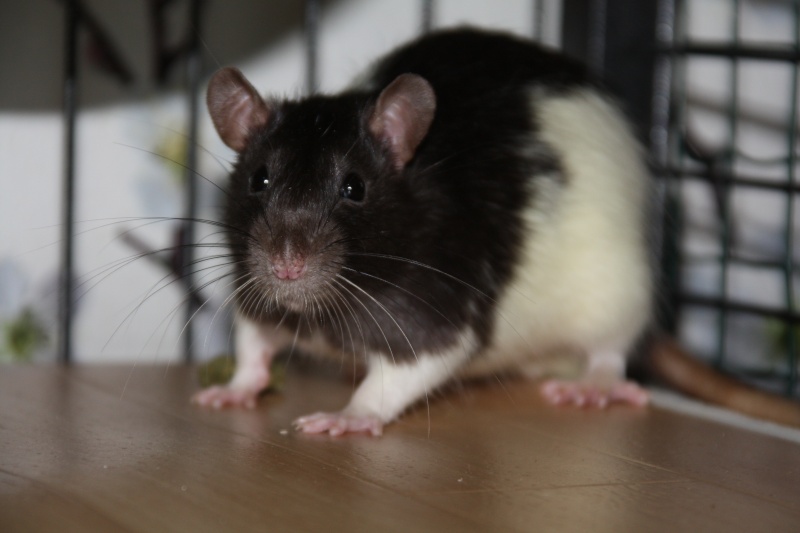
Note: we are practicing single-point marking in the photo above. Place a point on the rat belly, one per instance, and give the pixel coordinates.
(583, 282)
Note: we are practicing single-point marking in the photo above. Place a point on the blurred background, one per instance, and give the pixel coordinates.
(131, 143)
(711, 86)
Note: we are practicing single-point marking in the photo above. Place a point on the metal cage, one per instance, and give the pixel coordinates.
(650, 54)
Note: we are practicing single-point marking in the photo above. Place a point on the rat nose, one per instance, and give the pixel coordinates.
(289, 268)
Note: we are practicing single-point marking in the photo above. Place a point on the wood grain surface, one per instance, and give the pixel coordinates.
(91, 448)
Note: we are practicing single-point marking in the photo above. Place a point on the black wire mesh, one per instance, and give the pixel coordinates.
(724, 138)
(729, 178)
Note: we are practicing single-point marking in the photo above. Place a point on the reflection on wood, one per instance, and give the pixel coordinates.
(121, 449)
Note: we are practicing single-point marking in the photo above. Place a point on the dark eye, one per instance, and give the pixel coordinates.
(259, 180)
(352, 188)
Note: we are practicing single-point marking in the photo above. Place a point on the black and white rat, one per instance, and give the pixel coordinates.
(474, 204)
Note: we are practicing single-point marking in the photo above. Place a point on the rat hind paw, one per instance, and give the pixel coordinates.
(338, 424)
(219, 397)
(588, 394)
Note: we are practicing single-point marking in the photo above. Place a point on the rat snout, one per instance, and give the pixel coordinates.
(288, 266)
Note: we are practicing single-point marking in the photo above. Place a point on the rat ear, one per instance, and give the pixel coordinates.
(235, 107)
(402, 116)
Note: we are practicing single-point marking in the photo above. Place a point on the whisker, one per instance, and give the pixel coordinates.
(450, 276)
(112, 221)
(334, 318)
(402, 332)
(380, 329)
(185, 167)
(175, 309)
(406, 291)
(356, 321)
(423, 265)
(197, 144)
(360, 331)
(219, 309)
(107, 271)
(150, 293)
(294, 341)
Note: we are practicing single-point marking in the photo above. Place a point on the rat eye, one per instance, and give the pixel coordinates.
(352, 188)
(259, 180)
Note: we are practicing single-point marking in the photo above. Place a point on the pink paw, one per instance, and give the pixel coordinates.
(338, 424)
(219, 397)
(587, 394)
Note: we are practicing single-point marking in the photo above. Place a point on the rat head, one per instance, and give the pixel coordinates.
(315, 181)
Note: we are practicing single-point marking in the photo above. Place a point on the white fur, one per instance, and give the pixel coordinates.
(386, 391)
(583, 283)
(256, 346)
(389, 388)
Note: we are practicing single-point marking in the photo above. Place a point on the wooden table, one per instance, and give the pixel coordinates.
(109, 449)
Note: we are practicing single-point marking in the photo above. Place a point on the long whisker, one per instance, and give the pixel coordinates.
(224, 303)
(448, 275)
(294, 341)
(398, 287)
(330, 307)
(185, 167)
(173, 313)
(380, 329)
(402, 332)
(214, 156)
(112, 221)
(158, 286)
(151, 292)
(356, 321)
(423, 265)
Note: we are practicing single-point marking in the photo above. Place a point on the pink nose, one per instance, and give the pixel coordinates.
(288, 269)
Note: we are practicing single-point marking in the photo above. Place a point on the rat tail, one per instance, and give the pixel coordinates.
(667, 362)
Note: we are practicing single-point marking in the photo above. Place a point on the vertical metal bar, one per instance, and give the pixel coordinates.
(537, 25)
(312, 13)
(67, 289)
(677, 151)
(659, 133)
(666, 234)
(788, 258)
(427, 16)
(608, 37)
(597, 36)
(193, 74)
(726, 237)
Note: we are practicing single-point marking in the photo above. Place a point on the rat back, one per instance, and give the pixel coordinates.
(545, 188)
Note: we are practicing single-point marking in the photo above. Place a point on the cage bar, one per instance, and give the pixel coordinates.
(311, 31)
(193, 77)
(788, 266)
(673, 148)
(67, 288)
(426, 8)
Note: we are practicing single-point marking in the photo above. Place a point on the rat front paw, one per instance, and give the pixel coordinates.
(219, 397)
(588, 394)
(338, 424)
(242, 391)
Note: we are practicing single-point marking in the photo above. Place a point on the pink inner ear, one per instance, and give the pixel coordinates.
(235, 107)
(402, 116)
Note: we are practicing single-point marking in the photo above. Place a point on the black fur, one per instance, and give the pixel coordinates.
(455, 207)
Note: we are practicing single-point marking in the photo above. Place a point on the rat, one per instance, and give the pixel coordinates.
(475, 204)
